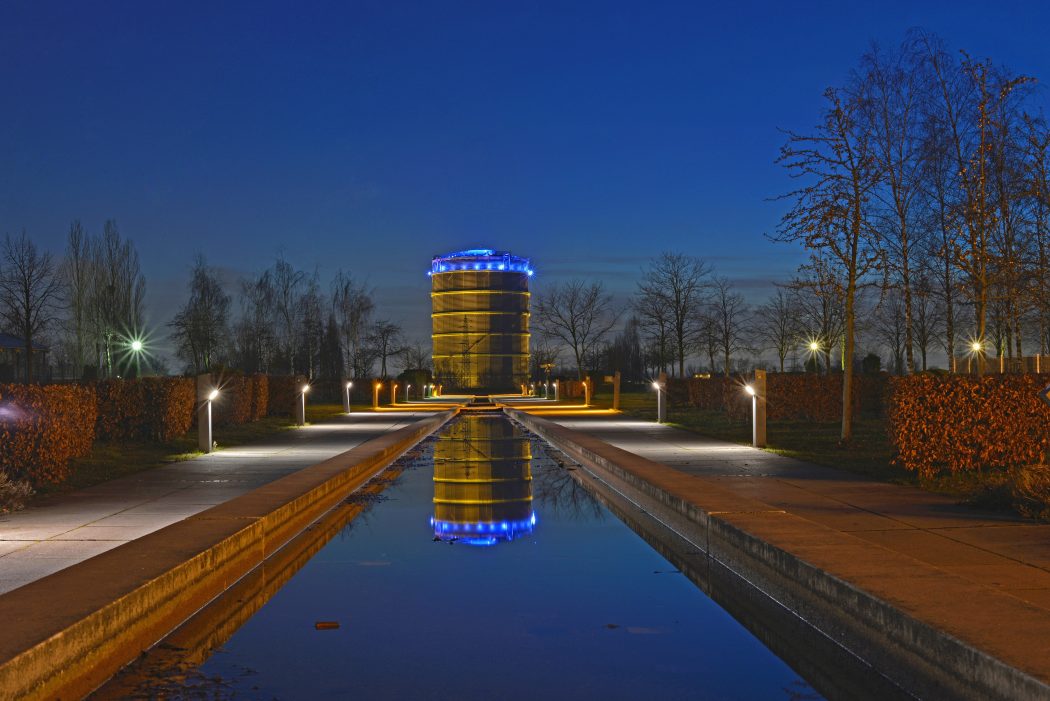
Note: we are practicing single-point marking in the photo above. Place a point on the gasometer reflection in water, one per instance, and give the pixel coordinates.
(577, 606)
(482, 482)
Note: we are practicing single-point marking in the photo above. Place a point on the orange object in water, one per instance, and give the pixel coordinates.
(326, 625)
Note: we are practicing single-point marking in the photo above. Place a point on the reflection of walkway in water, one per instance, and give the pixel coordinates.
(482, 481)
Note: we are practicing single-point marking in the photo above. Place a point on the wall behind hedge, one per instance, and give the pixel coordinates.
(42, 428)
(960, 423)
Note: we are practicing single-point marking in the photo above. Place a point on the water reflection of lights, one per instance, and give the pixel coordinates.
(483, 533)
(482, 482)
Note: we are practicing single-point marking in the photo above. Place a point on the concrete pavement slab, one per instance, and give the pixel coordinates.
(125, 509)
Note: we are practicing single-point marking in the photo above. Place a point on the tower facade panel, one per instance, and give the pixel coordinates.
(480, 312)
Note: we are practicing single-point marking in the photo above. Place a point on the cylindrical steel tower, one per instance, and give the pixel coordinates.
(480, 301)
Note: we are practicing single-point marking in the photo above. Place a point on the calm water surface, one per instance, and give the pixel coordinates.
(485, 571)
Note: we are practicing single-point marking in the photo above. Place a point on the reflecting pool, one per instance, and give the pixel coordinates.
(477, 567)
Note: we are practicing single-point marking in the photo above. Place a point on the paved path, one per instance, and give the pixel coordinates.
(1006, 553)
(66, 529)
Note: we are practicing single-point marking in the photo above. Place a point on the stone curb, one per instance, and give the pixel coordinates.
(914, 654)
(65, 634)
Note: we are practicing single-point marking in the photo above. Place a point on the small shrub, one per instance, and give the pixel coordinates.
(13, 494)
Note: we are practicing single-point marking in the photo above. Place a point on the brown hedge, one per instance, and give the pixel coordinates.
(42, 428)
(148, 408)
(260, 396)
(234, 403)
(960, 423)
(790, 396)
(282, 392)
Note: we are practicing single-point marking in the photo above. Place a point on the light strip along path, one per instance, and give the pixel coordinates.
(69, 528)
(983, 577)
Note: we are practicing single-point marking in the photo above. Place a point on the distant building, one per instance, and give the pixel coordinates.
(13, 359)
(480, 312)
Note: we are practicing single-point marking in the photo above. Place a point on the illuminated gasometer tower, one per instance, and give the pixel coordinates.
(480, 301)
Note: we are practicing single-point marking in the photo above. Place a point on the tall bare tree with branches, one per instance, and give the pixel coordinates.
(672, 292)
(579, 314)
(830, 211)
(29, 292)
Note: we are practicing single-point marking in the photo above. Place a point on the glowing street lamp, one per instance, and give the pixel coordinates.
(375, 394)
(407, 387)
(300, 410)
(661, 405)
(555, 390)
(393, 393)
(206, 394)
(349, 385)
(586, 392)
(757, 391)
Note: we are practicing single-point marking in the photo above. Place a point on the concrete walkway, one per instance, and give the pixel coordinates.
(66, 529)
(982, 577)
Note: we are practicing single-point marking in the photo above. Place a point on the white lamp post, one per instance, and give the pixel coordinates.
(300, 409)
(661, 406)
(206, 394)
(407, 387)
(555, 390)
(349, 385)
(757, 392)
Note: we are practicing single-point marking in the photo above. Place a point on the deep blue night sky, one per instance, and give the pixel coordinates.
(370, 136)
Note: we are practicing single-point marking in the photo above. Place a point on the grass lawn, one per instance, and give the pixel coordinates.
(109, 460)
(870, 454)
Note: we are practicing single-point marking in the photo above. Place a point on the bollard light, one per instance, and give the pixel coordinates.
(757, 391)
(661, 406)
(205, 443)
(301, 418)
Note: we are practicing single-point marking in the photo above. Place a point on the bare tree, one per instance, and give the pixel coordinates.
(777, 325)
(969, 96)
(200, 329)
(579, 314)
(830, 212)
(1037, 135)
(78, 273)
(892, 92)
(118, 293)
(415, 356)
(385, 338)
(353, 307)
(729, 313)
(30, 292)
(672, 293)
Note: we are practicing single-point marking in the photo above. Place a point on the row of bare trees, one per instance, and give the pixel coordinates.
(927, 177)
(287, 324)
